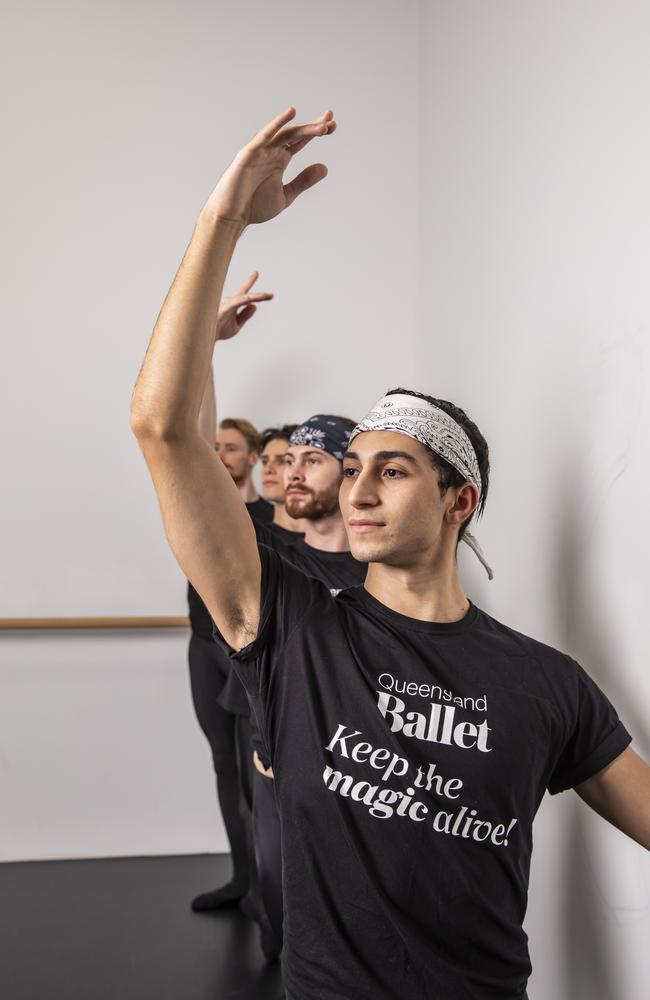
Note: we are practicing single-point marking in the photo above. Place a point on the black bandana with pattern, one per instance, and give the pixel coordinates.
(325, 432)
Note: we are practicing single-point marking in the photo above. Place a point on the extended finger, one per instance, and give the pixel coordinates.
(289, 136)
(241, 300)
(269, 130)
(248, 284)
(306, 178)
(297, 146)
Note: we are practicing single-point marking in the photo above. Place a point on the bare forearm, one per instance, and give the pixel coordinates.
(208, 411)
(168, 394)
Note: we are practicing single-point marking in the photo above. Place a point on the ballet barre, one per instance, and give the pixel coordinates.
(131, 622)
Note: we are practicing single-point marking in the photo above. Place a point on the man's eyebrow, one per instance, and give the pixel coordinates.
(384, 456)
(312, 451)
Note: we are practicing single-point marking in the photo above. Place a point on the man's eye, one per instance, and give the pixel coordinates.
(393, 473)
(349, 473)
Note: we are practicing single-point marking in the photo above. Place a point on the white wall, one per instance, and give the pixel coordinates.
(535, 314)
(100, 750)
(483, 235)
(122, 118)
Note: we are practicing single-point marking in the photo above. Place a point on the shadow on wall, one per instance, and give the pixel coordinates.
(604, 887)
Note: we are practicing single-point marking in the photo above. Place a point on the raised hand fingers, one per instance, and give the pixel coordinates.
(306, 178)
(267, 133)
(239, 300)
(290, 137)
(248, 284)
(295, 147)
(245, 315)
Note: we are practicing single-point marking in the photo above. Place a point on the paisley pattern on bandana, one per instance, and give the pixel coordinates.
(324, 432)
(427, 424)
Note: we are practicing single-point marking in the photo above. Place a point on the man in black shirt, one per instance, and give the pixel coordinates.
(412, 736)
(273, 448)
(312, 478)
(209, 668)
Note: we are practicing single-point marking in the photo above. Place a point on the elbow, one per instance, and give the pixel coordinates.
(148, 428)
(144, 425)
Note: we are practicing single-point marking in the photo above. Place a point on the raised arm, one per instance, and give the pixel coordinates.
(234, 311)
(204, 517)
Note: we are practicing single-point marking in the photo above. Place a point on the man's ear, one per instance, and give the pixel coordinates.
(253, 458)
(464, 505)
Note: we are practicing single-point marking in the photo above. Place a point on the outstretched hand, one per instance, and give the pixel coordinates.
(237, 309)
(252, 188)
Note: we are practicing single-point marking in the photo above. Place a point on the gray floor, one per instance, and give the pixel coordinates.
(122, 929)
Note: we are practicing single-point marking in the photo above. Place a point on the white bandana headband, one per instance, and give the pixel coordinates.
(431, 426)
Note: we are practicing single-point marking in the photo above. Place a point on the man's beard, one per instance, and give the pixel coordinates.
(314, 506)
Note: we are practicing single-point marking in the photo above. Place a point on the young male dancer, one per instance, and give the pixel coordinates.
(312, 473)
(209, 668)
(412, 735)
(312, 477)
(238, 447)
(273, 448)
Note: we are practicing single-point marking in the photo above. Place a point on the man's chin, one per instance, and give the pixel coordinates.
(366, 551)
(297, 508)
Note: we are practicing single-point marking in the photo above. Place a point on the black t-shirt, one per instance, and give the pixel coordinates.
(260, 511)
(410, 758)
(335, 569)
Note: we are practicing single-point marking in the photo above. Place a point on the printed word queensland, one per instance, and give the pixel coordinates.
(431, 691)
(439, 726)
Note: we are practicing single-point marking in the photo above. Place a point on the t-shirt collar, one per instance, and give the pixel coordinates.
(416, 624)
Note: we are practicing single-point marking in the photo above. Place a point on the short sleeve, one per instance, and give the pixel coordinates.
(596, 735)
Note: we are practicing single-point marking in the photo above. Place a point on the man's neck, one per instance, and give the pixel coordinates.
(431, 593)
(283, 520)
(247, 491)
(327, 534)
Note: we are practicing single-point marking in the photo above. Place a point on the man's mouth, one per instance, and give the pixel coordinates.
(362, 526)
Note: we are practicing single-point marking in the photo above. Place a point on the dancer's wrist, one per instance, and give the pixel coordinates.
(221, 221)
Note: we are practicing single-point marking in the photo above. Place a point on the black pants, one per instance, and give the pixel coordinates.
(266, 836)
(208, 673)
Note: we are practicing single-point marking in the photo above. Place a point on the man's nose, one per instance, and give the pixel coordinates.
(362, 493)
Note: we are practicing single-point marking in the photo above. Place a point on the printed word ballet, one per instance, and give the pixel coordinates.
(438, 727)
